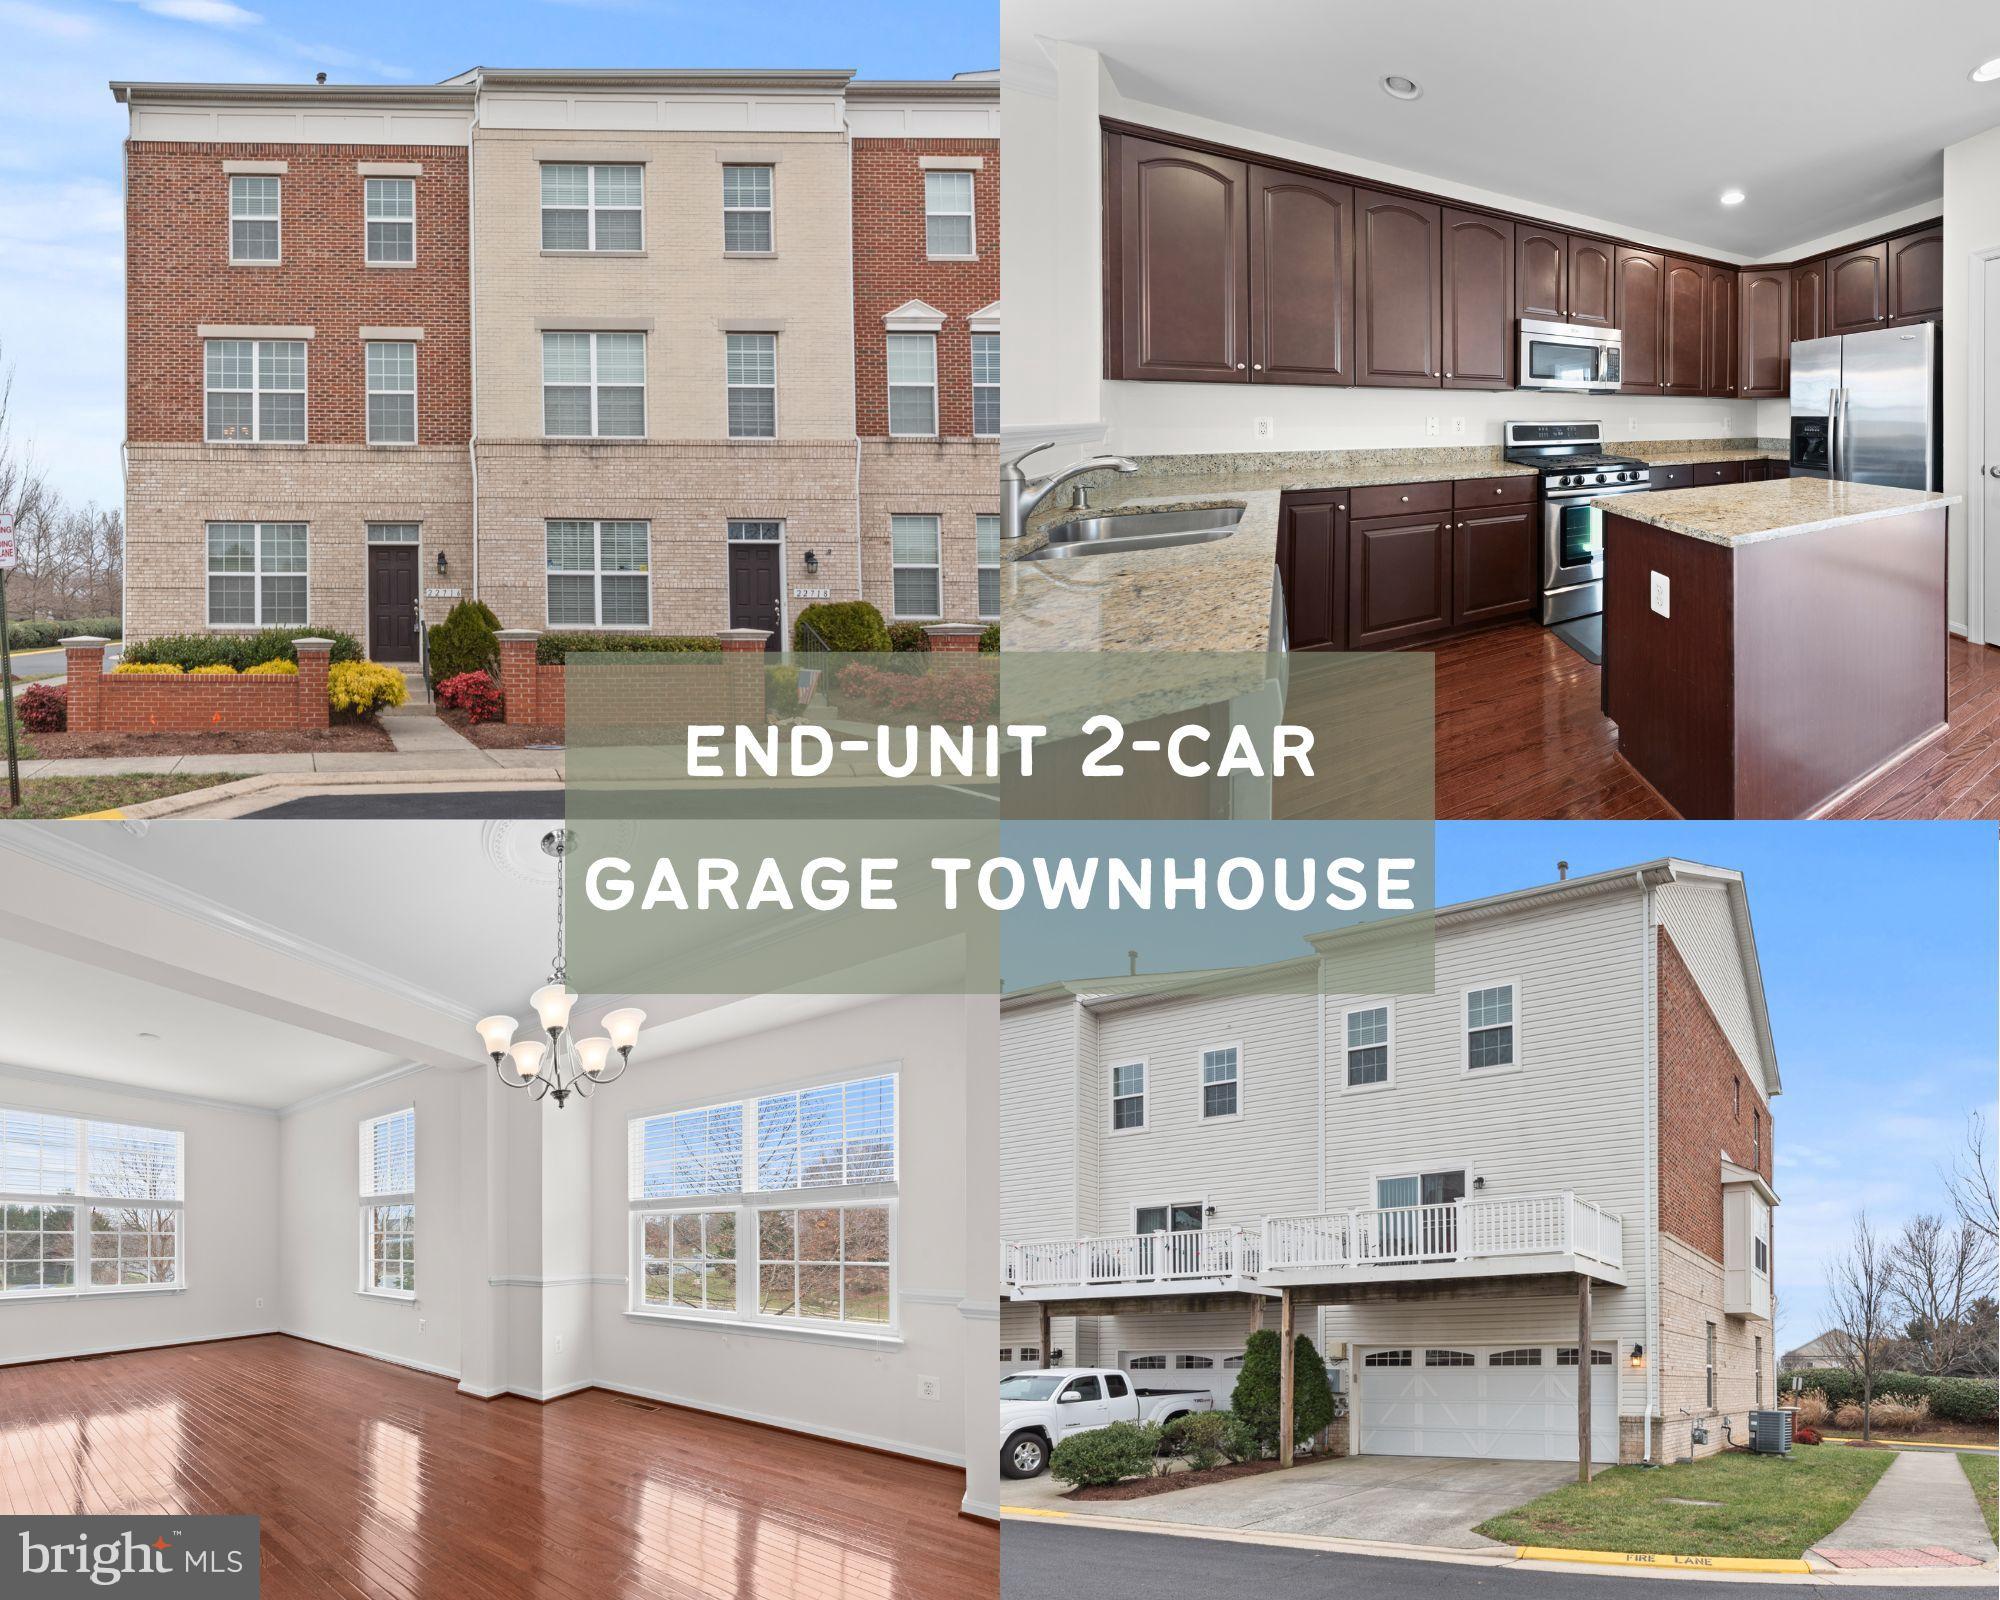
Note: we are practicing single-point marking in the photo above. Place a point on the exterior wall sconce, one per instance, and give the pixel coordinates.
(1638, 1356)
(1478, 1183)
(444, 566)
(812, 562)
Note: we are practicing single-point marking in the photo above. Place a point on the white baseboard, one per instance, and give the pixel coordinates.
(868, 1441)
(373, 1355)
(128, 1346)
(980, 1508)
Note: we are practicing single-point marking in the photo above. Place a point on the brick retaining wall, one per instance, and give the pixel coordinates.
(135, 702)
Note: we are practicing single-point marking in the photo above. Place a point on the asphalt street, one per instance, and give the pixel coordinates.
(532, 805)
(686, 804)
(1040, 1562)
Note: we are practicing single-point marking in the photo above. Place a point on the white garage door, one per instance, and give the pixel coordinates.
(1503, 1402)
(1213, 1370)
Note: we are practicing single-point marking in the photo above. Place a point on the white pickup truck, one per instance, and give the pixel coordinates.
(1038, 1410)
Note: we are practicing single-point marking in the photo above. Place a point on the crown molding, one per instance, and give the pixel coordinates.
(68, 1080)
(408, 1069)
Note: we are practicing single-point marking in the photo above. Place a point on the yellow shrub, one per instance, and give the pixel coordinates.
(218, 669)
(364, 688)
(278, 667)
(1892, 1412)
(1813, 1409)
(149, 669)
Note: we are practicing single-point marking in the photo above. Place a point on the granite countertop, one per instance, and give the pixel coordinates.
(1737, 514)
(1688, 454)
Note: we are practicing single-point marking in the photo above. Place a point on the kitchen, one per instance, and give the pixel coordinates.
(1359, 405)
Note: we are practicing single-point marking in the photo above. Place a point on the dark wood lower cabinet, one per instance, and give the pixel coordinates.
(1494, 566)
(1398, 579)
(1312, 558)
(1707, 474)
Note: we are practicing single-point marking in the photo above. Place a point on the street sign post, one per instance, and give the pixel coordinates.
(8, 561)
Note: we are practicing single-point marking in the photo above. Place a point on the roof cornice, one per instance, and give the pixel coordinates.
(700, 79)
(976, 91)
(456, 96)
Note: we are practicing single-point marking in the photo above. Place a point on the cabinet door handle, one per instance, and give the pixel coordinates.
(1239, 366)
(1500, 491)
(1406, 499)
(1256, 366)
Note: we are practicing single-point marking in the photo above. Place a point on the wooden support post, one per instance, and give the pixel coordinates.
(1583, 1377)
(1256, 1313)
(1286, 1377)
(1042, 1311)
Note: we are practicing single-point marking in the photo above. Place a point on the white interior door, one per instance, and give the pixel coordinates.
(1984, 485)
(1490, 1402)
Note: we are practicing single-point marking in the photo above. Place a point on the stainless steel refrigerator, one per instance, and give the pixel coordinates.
(1865, 407)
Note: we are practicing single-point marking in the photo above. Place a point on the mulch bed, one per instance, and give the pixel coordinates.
(499, 735)
(1167, 1483)
(354, 737)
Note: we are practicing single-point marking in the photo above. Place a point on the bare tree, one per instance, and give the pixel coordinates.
(71, 558)
(1938, 1272)
(1974, 1194)
(1860, 1299)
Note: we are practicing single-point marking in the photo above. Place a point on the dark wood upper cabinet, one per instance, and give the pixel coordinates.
(1541, 273)
(1857, 289)
(1916, 277)
(1641, 307)
(1764, 335)
(1177, 301)
(1718, 358)
(1809, 301)
(1593, 288)
(1683, 332)
(1397, 292)
(1301, 279)
(1478, 321)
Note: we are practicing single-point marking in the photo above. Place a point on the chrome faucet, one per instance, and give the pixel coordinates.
(1020, 494)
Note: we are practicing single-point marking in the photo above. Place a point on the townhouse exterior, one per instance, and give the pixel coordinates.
(608, 350)
(1577, 1117)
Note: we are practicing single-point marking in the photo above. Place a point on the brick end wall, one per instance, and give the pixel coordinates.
(731, 690)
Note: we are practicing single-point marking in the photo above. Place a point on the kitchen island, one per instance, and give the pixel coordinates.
(1769, 647)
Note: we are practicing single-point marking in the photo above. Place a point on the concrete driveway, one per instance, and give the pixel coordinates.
(1392, 1499)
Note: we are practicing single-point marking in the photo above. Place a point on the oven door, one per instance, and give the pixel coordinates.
(1555, 356)
(1572, 543)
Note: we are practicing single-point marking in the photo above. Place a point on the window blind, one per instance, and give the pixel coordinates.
(833, 1136)
(389, 1154)
(46, 1153)
(686, 1153)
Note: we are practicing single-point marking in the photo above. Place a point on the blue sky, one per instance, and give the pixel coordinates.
(61, 251)
(1878, 947)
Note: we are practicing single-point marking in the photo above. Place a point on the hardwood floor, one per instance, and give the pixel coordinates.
(1520, 735)
(373, 1480)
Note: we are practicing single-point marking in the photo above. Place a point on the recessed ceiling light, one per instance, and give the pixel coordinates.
(1732, 197)
(1986, 71)
(149, 1036)
(1401, 88)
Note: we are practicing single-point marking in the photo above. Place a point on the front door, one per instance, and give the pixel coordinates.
(753, 589)
(392, 602)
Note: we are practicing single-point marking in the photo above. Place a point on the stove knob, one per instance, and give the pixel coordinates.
(1600, 477)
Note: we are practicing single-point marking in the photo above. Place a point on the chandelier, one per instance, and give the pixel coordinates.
(564, 1065)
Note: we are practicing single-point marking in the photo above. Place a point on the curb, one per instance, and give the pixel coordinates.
(268, 783)
(1617, 1558)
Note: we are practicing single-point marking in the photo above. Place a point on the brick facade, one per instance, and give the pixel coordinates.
(1690, 1303)
(119, 702)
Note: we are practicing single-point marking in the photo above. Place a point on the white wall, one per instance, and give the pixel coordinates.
(863, 1393)
(230, 1250)
(1971, 222)
(319, 1221)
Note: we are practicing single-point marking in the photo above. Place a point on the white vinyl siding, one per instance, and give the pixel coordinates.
(987, 535)
(1039, 1120)
(948, 228)
(87, 1206)
(746, 210)
(752, 360)
(594, 385)
(913, 566)
(593, 208)
(599, 574)
(390, 215)
(986, 385)
(912, 369)
(255, 224)
(389, 1204)
(254, 391)
(392, 392)
(257, 575)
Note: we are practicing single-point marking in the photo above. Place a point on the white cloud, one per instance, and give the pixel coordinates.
(46, 20)
(210, 13)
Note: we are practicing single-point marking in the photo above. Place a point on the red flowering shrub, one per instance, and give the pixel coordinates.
(43, 709)
(1805, 1436)
(474, 693)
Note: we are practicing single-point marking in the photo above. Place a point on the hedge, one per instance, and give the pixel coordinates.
(1105, 1455)
(844, 625)
(1971, 1400)
(908, 636)
(554, 648)
(37, 634)
(466, 641)
(239, 650)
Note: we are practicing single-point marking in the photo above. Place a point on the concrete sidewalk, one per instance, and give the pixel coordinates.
(1921, 1513)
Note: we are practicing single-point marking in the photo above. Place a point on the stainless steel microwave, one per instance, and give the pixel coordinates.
(1568, 356)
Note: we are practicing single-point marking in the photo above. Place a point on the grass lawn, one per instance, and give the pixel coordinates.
(69, 797)
(1984, 1471)
(1769, 1506)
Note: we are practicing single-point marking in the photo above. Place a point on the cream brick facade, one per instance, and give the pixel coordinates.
(1690, 1300)
(956, 481)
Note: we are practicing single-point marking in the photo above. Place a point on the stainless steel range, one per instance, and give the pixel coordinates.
(1575, 471)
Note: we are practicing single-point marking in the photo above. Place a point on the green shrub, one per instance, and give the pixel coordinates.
(239, 650)
(37, 633)
(553, 648)
(1200, 1436)
(1255, 1400)
(843, 625)
(781, 690)
(466, 641)
(1240, 1441)
(989, 641)
(906, 636)
(1968, 1400)
(1104, 1455)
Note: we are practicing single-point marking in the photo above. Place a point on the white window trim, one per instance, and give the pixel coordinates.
(387, 177)
(256, 389)
(416, 407)
(1201, 1082)
(970, 213)
(896, 614)
(1200, 1210)
(645, 388)
(1340, 1034)
(1465, 1067)
(369, 1202)
(597, 575)
(256, 576)
(770, 211)
(81, 1203)
(981, 567)
(728, 387)
(590, 209)
(889, 386)
(1417, 1169)
(977, 334)
(230, 220)
(1113, 1097)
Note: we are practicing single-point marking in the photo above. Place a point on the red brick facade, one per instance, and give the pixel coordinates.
(891, 267)
(129, 702)
(178, 277)
(1708, 1103)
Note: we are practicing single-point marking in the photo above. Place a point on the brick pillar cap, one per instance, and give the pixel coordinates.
(82, 641)
(955, 630)
(743, 635)
(509, 635)
(312, 644)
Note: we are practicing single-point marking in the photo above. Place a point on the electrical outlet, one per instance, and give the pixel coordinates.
(422, 1323)
(1631, 425)
(558, 1344)
(929, 1389)
(260, 1302)
(1431, 426)
(1458, 426)
(1662, 595)
(1265, 428)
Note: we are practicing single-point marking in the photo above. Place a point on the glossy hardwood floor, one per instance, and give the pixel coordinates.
(373, 1480)
(1520, 735)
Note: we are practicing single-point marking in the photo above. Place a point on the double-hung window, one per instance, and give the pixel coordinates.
(778, 1210)
(912, 366)
(593, 207)
(1366, 1033)
(389, 1204)
(1489, 1027)
(392, 392)
(254, 222)
(256, 574)
(987, 528)
(88, 1206)
(389, 208)
(1128, 1096)
(753, 385)
(746, 210)
(599, 574)
(1220, 1082)
(255, 391)
(1708, 1367)
(948, 216)
(594, 385)
(913, 566)
(986, 385)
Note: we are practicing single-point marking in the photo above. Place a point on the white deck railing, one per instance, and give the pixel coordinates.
(1457, 1230)
(1131, 1258)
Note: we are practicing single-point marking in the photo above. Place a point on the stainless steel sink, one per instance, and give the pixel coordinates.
(1141, 530)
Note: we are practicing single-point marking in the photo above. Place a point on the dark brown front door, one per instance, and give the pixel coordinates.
(753, 589)
(392, 602)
